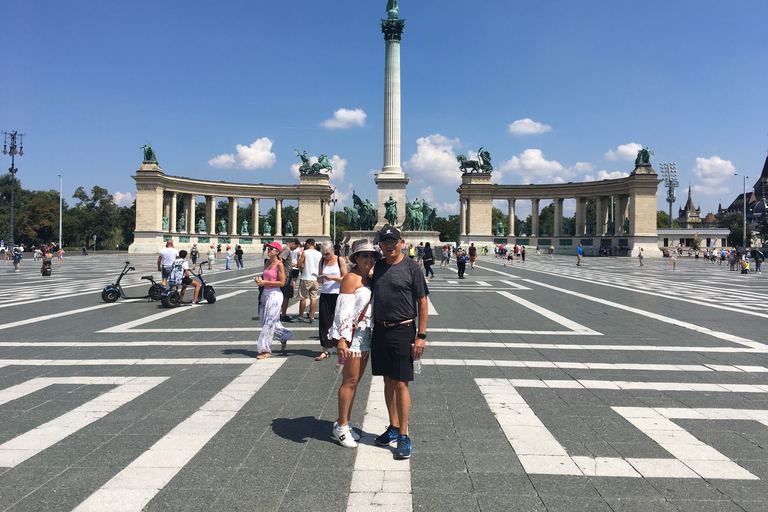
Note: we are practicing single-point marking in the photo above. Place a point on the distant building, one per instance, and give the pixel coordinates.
(689, 216)
(756, 200)
(709, 221)
(670, 238)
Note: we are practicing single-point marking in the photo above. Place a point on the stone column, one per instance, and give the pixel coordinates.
(558, 217)
(278, 217)
(192, 214)
(535, 218)
(188, 201)
(233, 216)
(391, 181)
(166, 210)
(621, 213)
(581, 216)
(172, 218)
(254, 217)
(327, 218)
(601, 215)
(511, 203)
(462, 216)
(210, 214)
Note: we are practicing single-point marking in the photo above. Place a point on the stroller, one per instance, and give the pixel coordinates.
(45, 270)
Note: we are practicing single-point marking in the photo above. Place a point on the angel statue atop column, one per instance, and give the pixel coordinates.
(392, 9)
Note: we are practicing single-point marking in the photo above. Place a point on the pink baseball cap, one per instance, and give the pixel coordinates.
(275, 245)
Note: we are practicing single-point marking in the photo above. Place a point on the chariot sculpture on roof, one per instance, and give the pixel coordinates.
(307, 168)
(481, 165)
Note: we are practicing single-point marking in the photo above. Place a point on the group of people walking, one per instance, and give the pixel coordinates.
(372, 307)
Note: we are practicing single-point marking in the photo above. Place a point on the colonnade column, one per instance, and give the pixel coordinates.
(621, 214)
(166, 209)
(327, 218)
(581, 216)
(534, 217)
(254, 217)
(511, 203)
(558, 217)
(278, 217)
(600, 215)
(462, 216)
(233, 216)
(188, 219)
(210, 214)
(172, 219)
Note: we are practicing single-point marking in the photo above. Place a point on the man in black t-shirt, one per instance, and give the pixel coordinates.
(399, 332)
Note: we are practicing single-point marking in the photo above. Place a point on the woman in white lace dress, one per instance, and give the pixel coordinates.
(352, 327)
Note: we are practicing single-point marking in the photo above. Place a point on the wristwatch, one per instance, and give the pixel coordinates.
(421, 336)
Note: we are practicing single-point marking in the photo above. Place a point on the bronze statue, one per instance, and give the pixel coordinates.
(182, 224)
(201, 226)
(643, 158)
(289, 228)
(165, 223)
(482, 164)
(522, 229)
(353, 218)
(322, 163)
(305, 165)
(267, 228)
(499, 228)
(626, 225)
(149, 153)
(223, 226)
(244, 229)
(392, 9)
(391, 211)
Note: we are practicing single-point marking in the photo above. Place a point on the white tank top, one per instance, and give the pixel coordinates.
(328, 285)
(311, 264)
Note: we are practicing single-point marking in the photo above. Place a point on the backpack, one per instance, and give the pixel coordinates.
(193, 251)
(177, 273)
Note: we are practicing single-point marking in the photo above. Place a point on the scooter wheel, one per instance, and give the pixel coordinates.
(170, 299)
(209, 294)
(110, 295)
(155, 292)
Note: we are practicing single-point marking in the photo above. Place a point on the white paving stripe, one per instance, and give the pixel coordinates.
(29, 444)
(135, 486)
(550, 315)
(595, 366)
(44, 318)
(128, 326)
(673, 321)
(515, 285)
(379, 482)
(539, 451)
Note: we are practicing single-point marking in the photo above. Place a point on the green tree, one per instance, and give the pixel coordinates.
(547, 216)
(448, 228)
(662, 220)
(496, 217)
(94, 214)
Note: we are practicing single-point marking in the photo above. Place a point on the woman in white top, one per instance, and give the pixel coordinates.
(331, 270)
(352, 326)
(211, 257)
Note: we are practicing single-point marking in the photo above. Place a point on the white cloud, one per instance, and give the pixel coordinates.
(605, 175)
(528, 127)
(710, 191)
(624, 152)
(712, 172)
(256, 156)
(344, 118)
(427, 194)
(446, 209)
(435, 160)
(121, 199)
(336, 176)
(531, 165)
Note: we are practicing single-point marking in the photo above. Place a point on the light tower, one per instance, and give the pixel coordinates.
(669, 173)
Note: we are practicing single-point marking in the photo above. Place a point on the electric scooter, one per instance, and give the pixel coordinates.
(115, 291)
(170, 298)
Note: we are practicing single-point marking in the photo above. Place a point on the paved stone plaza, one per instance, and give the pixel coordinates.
(547, 387)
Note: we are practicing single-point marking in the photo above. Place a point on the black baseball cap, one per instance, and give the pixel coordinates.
(388, 232)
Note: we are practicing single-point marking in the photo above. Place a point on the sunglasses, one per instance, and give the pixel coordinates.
(272, 249)
(388, 241)
(365, 255)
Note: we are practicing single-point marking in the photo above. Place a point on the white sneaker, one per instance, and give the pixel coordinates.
(354, 434)
(344, 436)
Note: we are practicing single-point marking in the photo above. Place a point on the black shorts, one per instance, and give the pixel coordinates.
(187, 281)
(391, 351)
(287, 289)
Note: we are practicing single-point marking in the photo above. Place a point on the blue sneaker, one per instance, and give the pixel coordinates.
(403, 447)
(387, 437)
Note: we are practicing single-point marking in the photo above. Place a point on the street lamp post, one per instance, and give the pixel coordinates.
(13, 151)
(60, 203)
(669, 173)
(744, 209)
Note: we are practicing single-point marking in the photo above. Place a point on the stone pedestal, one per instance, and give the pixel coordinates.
(391, 184)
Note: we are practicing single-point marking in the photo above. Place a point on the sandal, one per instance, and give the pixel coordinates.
(263, 355)
(324, 355)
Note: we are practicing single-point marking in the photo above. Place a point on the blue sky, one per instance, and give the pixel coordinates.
(555, 90)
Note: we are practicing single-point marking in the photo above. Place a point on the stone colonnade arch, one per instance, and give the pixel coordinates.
(157, 218)
(635, 199)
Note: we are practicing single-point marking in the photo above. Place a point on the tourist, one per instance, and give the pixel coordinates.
(229, 258)
(272, 279)
(331, 271)
(295, 254)
(551, 252)
(17, 256)
(186, 280)
(640, 256)
(352, 327)
(211, 257)
(400, 309)
(239, 257)
(193, 254)
(309, 266)
(522, 254)
(579, 255)
(461, 262)
(428, 259)
(165, 260)
(411, 252)
(286, 256)
(446, 257)
(672, 260)
(420, 253)
(60, 254)
(472, 256)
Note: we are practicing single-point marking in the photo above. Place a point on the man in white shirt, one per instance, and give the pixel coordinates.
(166, 259)
(309, 264)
